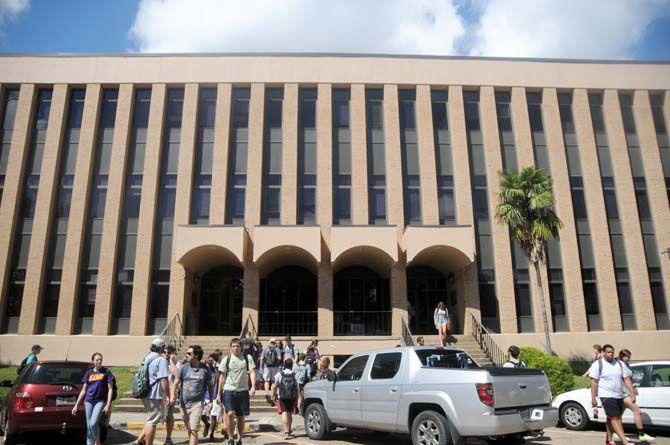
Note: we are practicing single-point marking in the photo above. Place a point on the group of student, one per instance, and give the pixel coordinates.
(219, 388)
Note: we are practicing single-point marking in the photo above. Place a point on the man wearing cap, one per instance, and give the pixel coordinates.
(159, 393)
(270, 361)
(32, 357)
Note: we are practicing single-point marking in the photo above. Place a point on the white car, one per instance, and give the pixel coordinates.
(652, 380)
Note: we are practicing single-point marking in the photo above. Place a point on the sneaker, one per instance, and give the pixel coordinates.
(287, 436)
(615, 437)
(238, 442)
(646, 438)
(610, 442)
(168, 442)
(206, 431)
(231, 442)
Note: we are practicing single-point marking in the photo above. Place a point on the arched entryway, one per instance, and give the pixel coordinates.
(426, 287)
(361, 302)
(221, 301)
(288, 302)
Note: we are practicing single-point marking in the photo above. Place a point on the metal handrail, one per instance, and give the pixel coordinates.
(486, 342)
(407, 337)
(245, 328)
(171, 334)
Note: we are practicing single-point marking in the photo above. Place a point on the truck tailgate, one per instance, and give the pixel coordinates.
(519, 387)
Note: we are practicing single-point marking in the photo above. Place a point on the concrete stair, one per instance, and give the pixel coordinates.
(258, 405)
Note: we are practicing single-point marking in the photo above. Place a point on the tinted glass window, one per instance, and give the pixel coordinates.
(660, 376)
(353, 370)
(51, 374)
(386, 365)
(445, 358)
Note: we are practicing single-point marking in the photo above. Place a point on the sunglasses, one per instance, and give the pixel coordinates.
(189, 353)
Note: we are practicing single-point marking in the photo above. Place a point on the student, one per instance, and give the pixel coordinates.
(420, 341)
(235, 371)
(597, 353)
(289, 350)
(193, 380)
(624, 357)
(513, 358)
(270, 361)
(285, 391)
(32, 357)
(302, 374)
(158, 400)
(173, 366)
(324, 372)
(248, 343)
(608, 377)
(441, 320)
(210, 415)
(97, 388)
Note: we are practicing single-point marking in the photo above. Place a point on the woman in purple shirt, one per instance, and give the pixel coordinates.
(98, 391)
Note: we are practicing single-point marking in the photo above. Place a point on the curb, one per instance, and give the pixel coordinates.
(179, 426)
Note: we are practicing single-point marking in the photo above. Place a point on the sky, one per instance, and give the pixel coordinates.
(564, 29)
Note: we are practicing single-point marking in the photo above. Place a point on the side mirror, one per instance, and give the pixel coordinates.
(6, 384)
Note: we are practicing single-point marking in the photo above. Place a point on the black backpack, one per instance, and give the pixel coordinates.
(270, 357)
(288, 387)
(23, 364)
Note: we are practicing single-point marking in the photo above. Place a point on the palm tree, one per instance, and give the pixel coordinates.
(525, 205)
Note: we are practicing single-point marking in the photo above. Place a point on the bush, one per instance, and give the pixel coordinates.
(558, 370)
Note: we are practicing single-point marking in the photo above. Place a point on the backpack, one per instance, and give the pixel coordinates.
(288, 387)
(270, 358)
(139, 383)
(600, 365)
(23, 364)
(115, 389)
(519, 364)
(301, 374)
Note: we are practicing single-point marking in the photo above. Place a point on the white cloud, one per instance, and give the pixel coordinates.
(345, 26)
(602, 29)
(10, 10)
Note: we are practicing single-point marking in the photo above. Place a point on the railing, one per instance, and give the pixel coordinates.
(486, 342)
(280, 323)
(171, 334)
(248, 326)
(362, 322)
(407, 338)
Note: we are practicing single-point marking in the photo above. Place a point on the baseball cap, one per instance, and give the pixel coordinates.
(37, 347)
(159, 342)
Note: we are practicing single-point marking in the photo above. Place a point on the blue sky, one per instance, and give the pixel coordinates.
(592, 29)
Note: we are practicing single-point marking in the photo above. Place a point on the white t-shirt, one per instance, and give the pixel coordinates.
(610, 380)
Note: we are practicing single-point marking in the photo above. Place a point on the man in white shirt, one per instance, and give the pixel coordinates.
(608, 377)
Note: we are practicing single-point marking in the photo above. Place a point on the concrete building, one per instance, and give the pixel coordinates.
(327, 196)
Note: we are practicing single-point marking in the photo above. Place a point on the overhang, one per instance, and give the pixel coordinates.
(276, 246)
(372, 246)
(199, 248)
(446, 248)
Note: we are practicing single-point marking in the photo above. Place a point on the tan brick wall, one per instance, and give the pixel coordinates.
(220, 158)
(500, 233)
(359, 163)
(113, 210)
(658, 202)
(148, 203)
(76, 228)
(427, 166)
(11, 195)
(630, 222)
(289, 178)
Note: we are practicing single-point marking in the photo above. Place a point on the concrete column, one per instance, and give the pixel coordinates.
(182, 213)
(500, 233)
(398, 296)
(220, 156)
(630, 221)
(69, 286)
(394, 196)
(251, 294)
(113, 210)
(463, 195)
(326, 319)
(658, 203)
(11, 194)
(324, 156)
(39, 241)
(289, 174)
(359, 163)
(146, 222)
(427, 167)
(595, 203)
(254, 192)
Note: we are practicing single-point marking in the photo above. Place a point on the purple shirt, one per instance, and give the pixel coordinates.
(97, 388)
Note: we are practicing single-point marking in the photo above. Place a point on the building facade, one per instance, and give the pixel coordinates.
(335, 197)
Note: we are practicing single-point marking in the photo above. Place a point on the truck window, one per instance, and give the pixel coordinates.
(445, 358)
(385, 365)
(353, 370)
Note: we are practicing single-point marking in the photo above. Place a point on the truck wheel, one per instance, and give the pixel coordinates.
(317, 424)
(430, 428)
(574, 416)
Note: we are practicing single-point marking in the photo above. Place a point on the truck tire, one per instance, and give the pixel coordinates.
(317, 425)
(574, 416)
(430, 428)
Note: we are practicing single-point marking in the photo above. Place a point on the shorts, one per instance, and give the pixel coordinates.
(156, 411)
(613, 407)
(269, 373)
(191, 416)
(287, 405)
(237, 401)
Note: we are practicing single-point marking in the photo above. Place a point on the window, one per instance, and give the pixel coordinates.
(385, 366)
(353, 370)
(444, 358)
(660, 376)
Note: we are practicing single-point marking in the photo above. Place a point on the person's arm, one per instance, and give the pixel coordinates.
(222, 382)
(210, 385)
(252, 375)
(175, 386)
(594, 392)
(110, 394)
(628, 381)
(79, 399)
(273, 390)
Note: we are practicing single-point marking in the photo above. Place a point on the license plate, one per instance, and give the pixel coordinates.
(65, 401)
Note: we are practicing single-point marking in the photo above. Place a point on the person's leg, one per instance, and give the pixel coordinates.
(94, 421)
(289, 421)
(230, 424)
(213, 427)
(617, 426)
(284, 421)
(442, 329)
(169, 424)
(608, 429)
(88, 408)
(149, 433)
(240, 428)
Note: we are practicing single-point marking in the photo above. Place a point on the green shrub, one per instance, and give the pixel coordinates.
(558, 370)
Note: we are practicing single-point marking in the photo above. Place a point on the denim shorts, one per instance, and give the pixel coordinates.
(237, 401)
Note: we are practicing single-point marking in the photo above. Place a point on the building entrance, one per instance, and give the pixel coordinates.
(221, 301)
(288, 303)
(425, 288)
(361, 302)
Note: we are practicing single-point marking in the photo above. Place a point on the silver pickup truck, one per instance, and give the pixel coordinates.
(438, 395)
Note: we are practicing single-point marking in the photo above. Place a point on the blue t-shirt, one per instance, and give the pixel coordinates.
(158, 369)
(31, 358)
(98, 385)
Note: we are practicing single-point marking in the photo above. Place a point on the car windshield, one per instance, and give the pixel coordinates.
(445, 358)
(56, 374)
